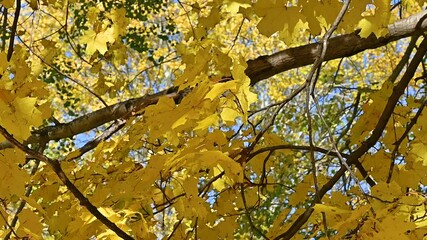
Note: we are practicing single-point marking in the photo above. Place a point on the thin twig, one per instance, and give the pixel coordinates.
(68, 35)
(323, 47)
(237, 35)
(353, 116)
(204, 190)
(295, 147)
(258, 137)
(175, 227)
(189, 20)
(63, 74)
(340, 157)
(311, 81)
(264, 166)
(152, 66)
(286, 100)
(9, 226)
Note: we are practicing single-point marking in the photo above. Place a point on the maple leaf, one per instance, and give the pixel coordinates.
(200, 154)
(276, 16)
(97, 41)
(13, 178)
(3, 62)
(376, 20)
(19, 115)
(7, 3)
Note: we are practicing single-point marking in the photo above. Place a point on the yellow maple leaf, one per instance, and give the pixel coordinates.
(211, 20)
(419, 152)
(29, 224)
(376, 20)
(330, 210)
(12, 178)
(210, 121)
(386, 191)
(120, 22)
(19, 116)
(97, 41)
(243, 93)
(199, 65)
(220, 88)
(228, 115)
(219, 184)
(7, 3)
(208, 159)
(3, 62)
(233, 6)
(276, 16)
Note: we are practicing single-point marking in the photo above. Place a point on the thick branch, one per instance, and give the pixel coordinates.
(100, 117)
(258, 69)
(13, 30)
(343, 46)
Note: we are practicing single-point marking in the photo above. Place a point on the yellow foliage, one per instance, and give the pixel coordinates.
(190, 120)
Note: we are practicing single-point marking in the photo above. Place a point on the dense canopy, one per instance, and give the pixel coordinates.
(213, 119)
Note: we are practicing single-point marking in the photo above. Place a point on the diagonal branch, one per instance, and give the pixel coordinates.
(402, 137)
(344, 46)
(56, 167)
(99, 117)
(398, 90)
(4, 29)
(95, 142)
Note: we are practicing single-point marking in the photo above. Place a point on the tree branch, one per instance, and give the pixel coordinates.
(344, 46)
(367, 144)
(56, 167)
(95, 142)
(100, 117)
(258, 69)
(13, 30)
(295, 147)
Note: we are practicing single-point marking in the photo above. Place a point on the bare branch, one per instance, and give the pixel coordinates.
(3, 29)
(95, 142)
(295, 147)
(248, 214)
